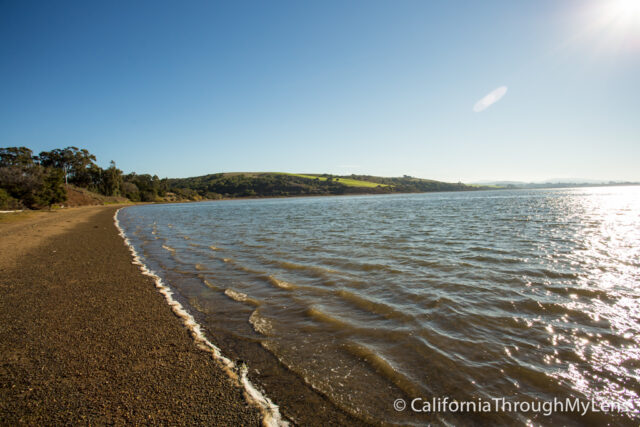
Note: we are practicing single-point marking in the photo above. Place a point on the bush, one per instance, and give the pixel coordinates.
(148, 196)
(131, 191)
(35, 186)
(8, 203)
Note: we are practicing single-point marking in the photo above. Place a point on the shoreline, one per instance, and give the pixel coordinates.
(257, 366)
(86, 338)
(224, 199)
(238, 374)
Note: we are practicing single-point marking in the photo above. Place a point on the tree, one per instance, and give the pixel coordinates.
(33, 186)
(130, 191)
(52, 190)
(112, 180)
(8, 202)
(75, 163)
(16, 156)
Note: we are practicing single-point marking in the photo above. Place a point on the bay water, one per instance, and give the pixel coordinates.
(343, 305)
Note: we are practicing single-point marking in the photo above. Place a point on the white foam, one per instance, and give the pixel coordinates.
(260, 324)
(270, 411)
(235, 295)
(280, 283)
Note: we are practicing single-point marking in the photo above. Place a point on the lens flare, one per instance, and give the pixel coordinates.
(612, 24)
(489, 99)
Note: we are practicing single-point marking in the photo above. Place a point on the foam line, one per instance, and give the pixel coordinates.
(270, 412)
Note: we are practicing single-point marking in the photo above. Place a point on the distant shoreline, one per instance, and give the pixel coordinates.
(165, 202)
(372, 194)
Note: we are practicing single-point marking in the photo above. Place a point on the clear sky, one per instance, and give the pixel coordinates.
(449, 90)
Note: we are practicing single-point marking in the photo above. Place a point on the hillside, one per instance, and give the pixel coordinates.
(77, 196)
(278, 184)
(70, 177)
(349, 182)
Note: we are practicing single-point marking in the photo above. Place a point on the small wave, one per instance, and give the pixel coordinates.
(362, 266)
(200, 267)
(491, 259)
(581, 292)
(213, 248)
(280, 283)
(485, 249)
(241, 267)
(240, 297)
(383, 367)
(546, 273)
(374, 307)
(319, 315)
(195, 303)
(311, 268)
(210, 285)
(260, 324)
(168, 248)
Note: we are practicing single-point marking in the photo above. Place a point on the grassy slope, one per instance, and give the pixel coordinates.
(497, 187)
(346, 181)
(77, 196)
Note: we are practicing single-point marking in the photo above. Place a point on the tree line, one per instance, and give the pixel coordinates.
(38, 181)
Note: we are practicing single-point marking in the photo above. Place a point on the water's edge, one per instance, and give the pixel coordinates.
(238, 374)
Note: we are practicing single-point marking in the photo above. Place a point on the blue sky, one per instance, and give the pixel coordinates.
(384, 88)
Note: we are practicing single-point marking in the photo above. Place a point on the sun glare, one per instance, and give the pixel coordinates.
(616, 22)
(623, 13)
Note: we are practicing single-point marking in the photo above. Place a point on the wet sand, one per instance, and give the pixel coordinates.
(85, 338)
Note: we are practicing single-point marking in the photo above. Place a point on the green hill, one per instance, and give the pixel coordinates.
(349, 182)
(280, 184)
(71, 177)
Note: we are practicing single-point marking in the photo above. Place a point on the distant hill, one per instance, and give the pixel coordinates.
(279, 184)
(556, 183)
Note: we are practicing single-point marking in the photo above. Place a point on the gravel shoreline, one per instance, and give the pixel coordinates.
(85, 338)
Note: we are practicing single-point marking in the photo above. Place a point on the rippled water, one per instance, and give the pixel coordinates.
(527, 295)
